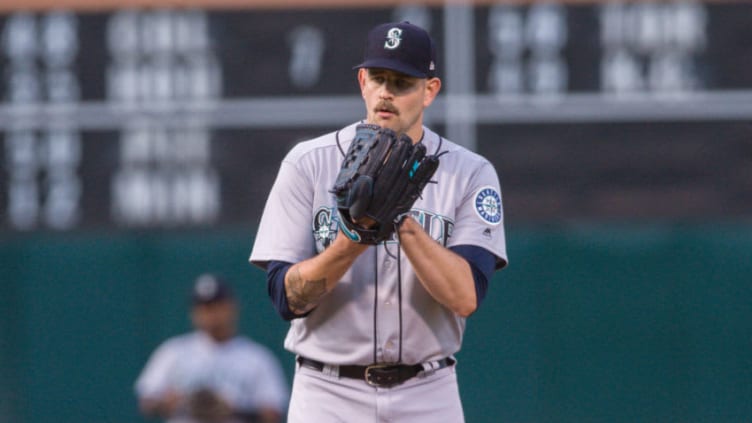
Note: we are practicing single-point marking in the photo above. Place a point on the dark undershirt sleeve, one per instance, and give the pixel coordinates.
(482, 263)
(275, 285)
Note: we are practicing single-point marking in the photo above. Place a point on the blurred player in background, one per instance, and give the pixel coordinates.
(213, 374)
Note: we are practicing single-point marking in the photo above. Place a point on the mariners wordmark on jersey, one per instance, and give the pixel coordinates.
(325, 226)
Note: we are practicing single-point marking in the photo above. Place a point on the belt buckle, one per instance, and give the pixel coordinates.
(387, 381)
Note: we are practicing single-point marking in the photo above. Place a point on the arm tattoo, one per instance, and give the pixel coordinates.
(303, 295)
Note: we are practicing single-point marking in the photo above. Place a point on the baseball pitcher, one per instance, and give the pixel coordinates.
(379, 240)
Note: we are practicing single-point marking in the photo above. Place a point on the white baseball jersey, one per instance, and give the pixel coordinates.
(365, 319)
(244, 373)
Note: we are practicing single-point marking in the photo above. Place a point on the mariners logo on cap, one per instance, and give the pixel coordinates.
(393, 38)
(488, 205)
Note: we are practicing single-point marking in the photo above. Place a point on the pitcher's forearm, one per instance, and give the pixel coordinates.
(444, 274)
(308, 281)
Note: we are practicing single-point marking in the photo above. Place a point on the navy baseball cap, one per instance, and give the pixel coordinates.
(209, 288)
(401, 47)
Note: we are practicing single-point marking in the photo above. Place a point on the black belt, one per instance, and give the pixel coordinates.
(383, 375)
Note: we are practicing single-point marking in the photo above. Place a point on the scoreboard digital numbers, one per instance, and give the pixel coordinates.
(178, 118)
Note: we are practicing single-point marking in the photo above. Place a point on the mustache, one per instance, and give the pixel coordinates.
(385, 105)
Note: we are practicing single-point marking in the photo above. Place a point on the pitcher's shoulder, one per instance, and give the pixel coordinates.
(461, 155)
(336, 139)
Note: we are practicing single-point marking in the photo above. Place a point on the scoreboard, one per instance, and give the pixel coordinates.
(179, 117)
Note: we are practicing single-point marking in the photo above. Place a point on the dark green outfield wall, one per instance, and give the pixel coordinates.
(588, 323)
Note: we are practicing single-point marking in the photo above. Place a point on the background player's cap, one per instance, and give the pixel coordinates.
(401, 47)
(209, 288)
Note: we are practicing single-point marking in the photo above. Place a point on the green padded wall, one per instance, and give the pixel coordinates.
(588, 324)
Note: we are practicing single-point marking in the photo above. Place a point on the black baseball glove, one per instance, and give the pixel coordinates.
(381, 177)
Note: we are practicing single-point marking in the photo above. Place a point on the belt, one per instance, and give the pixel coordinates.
(381, 375)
